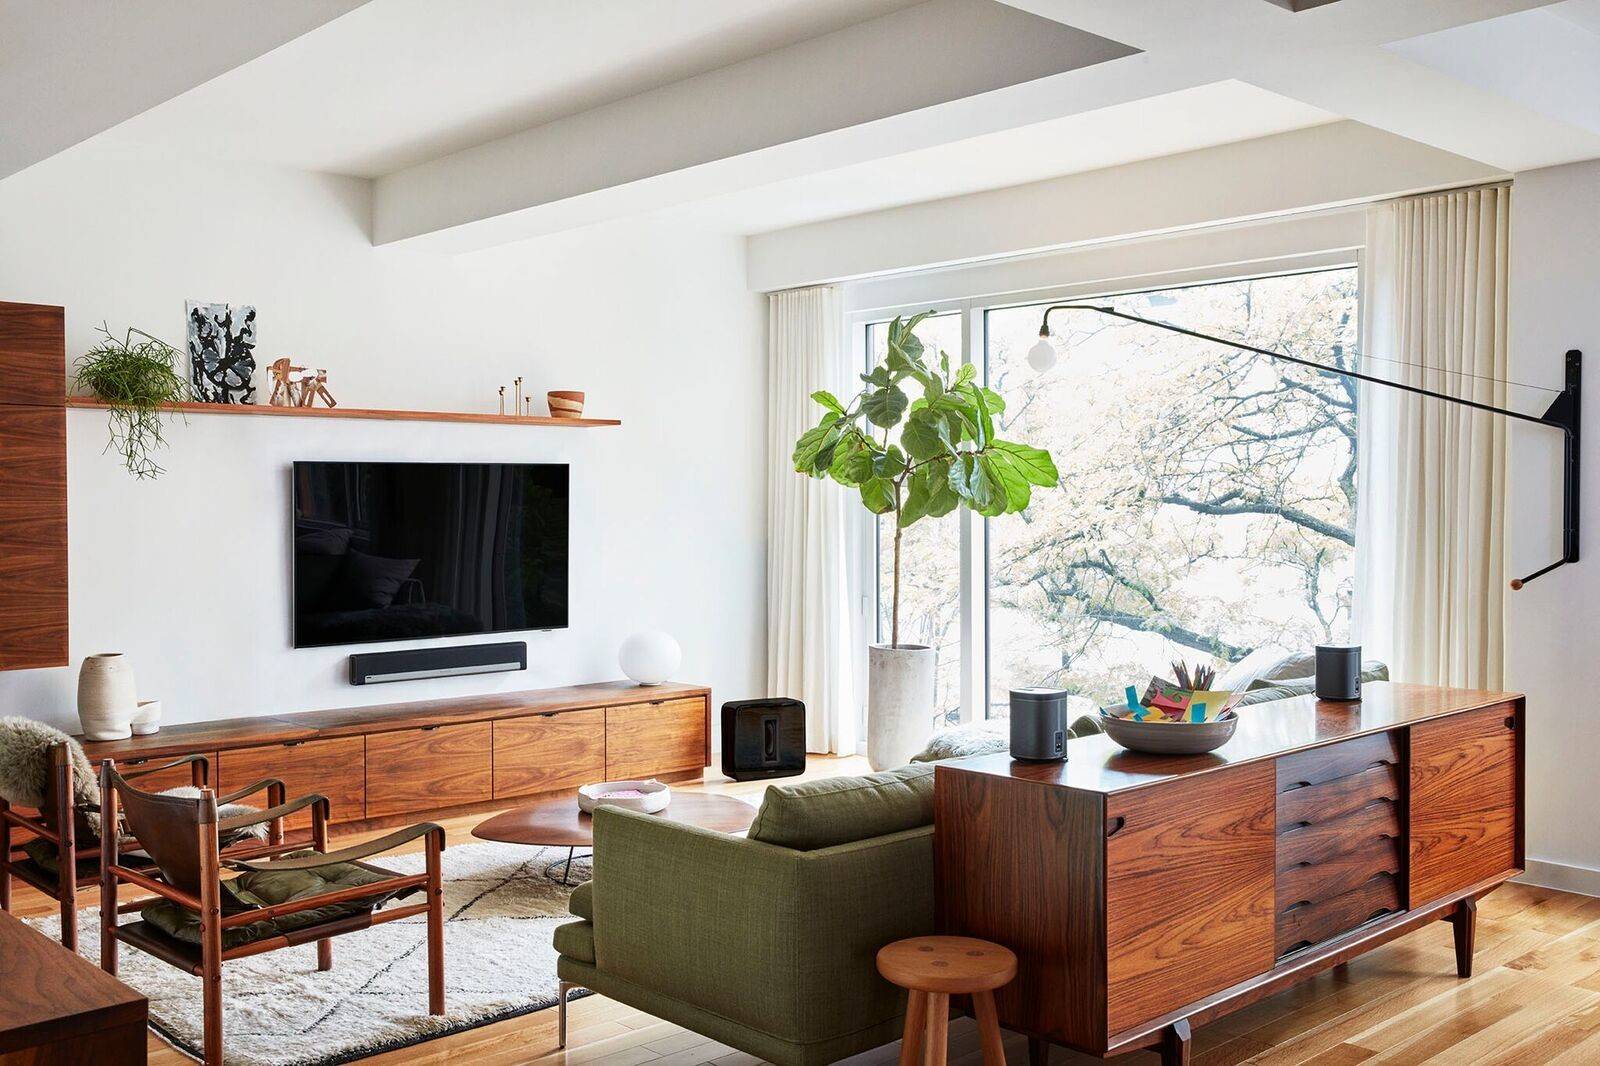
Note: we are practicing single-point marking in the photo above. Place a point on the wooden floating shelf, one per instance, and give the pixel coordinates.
(357, 412)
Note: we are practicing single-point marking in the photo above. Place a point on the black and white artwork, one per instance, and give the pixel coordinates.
(222, 344)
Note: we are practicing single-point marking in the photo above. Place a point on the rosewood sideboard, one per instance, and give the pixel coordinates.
(1146, 894)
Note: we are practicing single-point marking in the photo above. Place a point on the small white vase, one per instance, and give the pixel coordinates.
(900, 707)
(107, 697)
(147, 718)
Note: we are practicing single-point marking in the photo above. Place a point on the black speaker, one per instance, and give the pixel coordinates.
(763, 738)
(371, 668)
(1339, 672)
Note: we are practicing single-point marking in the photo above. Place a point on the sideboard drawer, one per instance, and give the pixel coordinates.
(1307, 924)
(1464, 796)
(546, 752)
(425, 769)
(1334, 761)
(173, 778)
(333, 768)
(655, 738)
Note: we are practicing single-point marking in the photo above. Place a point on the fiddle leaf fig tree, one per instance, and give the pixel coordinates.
(946, 456)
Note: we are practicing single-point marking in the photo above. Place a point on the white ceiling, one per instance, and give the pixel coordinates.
(1202, 117)
(398, 82)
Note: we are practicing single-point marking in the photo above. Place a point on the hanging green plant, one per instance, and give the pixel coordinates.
(136, 377)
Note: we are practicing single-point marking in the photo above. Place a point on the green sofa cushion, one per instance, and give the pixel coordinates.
(264, 888)
(575, 940)
(1262, 691)
(839, 810)
(582, 902)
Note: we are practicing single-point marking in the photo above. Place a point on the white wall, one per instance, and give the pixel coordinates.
(1553, 625)
(188, 574)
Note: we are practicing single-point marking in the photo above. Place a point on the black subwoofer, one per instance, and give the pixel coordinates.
(763, 738)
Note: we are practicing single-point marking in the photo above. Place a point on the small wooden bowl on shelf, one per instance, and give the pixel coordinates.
(565, 403)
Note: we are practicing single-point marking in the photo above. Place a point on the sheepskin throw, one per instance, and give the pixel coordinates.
(25, 763)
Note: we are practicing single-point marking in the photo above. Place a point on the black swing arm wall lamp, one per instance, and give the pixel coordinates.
(1564, 413)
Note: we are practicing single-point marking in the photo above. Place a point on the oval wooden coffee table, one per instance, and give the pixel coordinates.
(556, 822)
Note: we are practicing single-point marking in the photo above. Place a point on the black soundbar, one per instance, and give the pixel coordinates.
(372, 668)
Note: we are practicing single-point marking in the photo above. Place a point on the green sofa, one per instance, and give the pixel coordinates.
(765, 943)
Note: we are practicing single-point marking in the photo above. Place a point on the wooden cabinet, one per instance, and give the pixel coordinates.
(1189, 890)
(428, 768)
(33, 487)
(1465, 790)
(1145, 894)
(550, 751)
(657, 738)
(334, 768)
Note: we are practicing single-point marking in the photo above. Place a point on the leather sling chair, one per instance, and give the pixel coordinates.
(66, 842)
(199, 921)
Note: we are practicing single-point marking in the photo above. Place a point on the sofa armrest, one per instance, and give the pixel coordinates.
(781, 941)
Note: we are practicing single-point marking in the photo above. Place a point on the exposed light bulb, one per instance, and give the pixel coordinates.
(1042, 356)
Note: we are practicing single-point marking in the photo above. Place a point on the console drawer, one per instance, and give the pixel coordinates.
(1321, 842)
(425, 769)
(1311, 923)
(550, 751)
(1333, 761)
(1332, 800)
(173, 778)
(335, 768)
(655, 738)
(1314, 882)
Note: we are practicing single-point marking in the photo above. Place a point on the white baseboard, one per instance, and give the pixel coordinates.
(1559, 875)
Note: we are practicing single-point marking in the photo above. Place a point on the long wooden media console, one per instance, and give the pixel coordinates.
(1145, 894)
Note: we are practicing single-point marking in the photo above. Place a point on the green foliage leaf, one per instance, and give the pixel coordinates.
(1035, 464)
(885, 407)
(809, 448)
(1012, 488)
(925, 434)
(852, 461)
(828, 400)
(878, 495)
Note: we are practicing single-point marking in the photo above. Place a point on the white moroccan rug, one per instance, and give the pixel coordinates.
(500, 910)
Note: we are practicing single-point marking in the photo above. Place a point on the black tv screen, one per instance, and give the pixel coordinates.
(407, 551)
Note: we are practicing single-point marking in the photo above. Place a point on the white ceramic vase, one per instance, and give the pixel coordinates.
(107, 696)
(899, 703)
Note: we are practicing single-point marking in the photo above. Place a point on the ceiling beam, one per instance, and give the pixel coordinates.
(70, 69)
(919, 76)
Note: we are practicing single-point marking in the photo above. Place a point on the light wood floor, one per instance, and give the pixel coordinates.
(1535, 999)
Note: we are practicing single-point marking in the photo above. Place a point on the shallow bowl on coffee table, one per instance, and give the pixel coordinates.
(653, 799)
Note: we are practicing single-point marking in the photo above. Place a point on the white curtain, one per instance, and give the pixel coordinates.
(808, 621)
(1431, 479)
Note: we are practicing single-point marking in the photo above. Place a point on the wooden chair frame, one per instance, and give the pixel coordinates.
(63, 834)
(207, 904)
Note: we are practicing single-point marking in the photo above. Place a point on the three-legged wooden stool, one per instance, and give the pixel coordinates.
(932, 969)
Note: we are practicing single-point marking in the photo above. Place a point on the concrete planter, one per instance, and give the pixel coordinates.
(899, 703)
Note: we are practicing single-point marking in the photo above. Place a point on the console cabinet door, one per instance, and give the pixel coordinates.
(426, 769)
(1465, 793)
(33, 537)
(334, 768)
(550, 751)
(1189, 890)
(655, 738)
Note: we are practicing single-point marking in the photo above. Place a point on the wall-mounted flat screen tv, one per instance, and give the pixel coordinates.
(408, 551)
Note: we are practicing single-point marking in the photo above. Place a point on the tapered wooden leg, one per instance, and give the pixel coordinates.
(936, 1039)
(435, 925)
(1175, 1044)
(69, 912)
(561, 1013)
(109, 857)
(994, 1051)
(916, 1021)
(5, 856)
(319, 842)
(1464, 922)
(1038, 1052)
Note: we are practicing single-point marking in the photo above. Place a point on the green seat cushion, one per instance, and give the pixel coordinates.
(582, 902)
(575, 940)
(265, 888)
(839, 810)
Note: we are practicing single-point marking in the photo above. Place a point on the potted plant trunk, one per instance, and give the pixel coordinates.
(945, 455)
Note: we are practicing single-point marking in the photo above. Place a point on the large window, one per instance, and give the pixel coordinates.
(1207, 496)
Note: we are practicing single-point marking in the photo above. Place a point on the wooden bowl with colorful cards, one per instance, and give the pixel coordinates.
(1172, 721)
